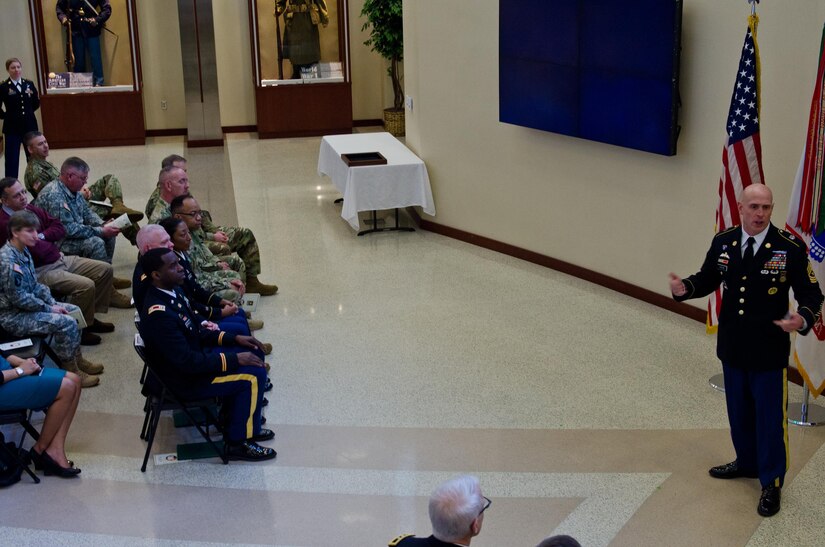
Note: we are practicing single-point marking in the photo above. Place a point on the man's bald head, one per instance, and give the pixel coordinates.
(755, 208)
(756, 190)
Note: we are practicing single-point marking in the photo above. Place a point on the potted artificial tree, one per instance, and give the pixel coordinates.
(385, 21)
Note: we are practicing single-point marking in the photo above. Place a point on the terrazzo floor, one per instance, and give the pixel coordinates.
(400, 360)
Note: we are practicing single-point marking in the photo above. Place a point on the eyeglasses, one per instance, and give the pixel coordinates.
(487, 503)
(193, 214)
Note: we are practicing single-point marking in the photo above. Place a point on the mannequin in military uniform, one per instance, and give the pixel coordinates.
(757, 264)
(18, 101)
(87, 18)
(302, 43)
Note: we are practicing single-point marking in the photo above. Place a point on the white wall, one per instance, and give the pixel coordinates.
(628, 214)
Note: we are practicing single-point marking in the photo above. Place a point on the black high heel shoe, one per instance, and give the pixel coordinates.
(50, 467)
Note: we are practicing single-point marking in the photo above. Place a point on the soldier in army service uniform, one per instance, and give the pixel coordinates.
(757, 265)
(18, 101)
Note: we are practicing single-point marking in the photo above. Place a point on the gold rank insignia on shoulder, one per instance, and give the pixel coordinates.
(811, 274)
(157, 307)
(398, 540)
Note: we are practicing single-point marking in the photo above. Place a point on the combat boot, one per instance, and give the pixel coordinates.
(255, 324)
(118, 208)
(119, 300)
(267, 348)
(254, 285)
(121, 283)
(86, 380)
(87, 366)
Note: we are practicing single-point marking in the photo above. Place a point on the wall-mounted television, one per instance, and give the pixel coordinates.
(603, 70)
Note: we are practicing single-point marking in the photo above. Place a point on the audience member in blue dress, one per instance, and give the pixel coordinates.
(24, 384)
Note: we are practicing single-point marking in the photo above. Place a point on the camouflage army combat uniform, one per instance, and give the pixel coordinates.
(157, 209)
(83, 226)
(208, 271)
(241, 241)
(25, 304)
(39, 173)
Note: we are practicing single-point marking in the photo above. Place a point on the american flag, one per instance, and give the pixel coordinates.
(742, 154)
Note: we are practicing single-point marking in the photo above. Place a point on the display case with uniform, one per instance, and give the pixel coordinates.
(88, 72)
(300, 56)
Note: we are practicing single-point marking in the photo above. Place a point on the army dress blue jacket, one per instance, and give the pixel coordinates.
(755, 297)
(175, 343)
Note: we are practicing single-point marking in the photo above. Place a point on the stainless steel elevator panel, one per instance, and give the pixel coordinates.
(200, 76)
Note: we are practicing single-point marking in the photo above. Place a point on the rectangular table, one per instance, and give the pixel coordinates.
(402, 182)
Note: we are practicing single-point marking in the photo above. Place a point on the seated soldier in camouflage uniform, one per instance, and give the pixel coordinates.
(222, 274)
(40, 172)
(174, 160)
(239, 240)
(27, 307)
(86, 233)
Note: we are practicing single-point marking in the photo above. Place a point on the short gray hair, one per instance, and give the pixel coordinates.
(146, 234)
(73, 162)
(454, 505)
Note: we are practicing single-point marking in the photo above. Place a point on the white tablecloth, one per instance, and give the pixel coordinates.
(402, 182)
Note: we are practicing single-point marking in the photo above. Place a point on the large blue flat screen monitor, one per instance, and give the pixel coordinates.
(603, 70)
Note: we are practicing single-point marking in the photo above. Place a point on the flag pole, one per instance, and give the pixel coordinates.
(808, 415)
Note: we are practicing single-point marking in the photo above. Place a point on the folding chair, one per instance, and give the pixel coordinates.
(19, 416)
(160, 398)
(39, 349)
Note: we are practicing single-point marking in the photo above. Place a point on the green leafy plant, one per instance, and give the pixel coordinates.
(386, 23)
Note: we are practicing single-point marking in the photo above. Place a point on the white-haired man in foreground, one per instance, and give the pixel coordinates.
(456, 513)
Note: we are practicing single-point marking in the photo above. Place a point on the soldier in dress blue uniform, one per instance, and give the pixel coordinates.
(18, 101)
(456, 510)
(175, 345)
(757, 264)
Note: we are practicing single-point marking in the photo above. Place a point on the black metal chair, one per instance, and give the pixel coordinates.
(160, 398)
(22, 417)
(39, 349)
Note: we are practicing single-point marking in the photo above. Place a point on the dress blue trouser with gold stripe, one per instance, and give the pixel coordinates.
(758, 415)
(241, 392)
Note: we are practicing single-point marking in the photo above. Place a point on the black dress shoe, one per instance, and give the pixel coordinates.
(769, 502)
(51, 467)
(264, 402)
(268, 385)
(730, 471)
(89, 339)
(264, 435)
(249, 451)
(100, 326)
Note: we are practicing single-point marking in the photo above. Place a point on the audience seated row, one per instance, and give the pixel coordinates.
(60, 246)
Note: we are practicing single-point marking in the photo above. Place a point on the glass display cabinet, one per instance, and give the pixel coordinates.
(88, 72)
(300, 56)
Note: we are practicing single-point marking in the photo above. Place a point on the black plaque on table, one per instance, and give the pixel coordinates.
(361, 159)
